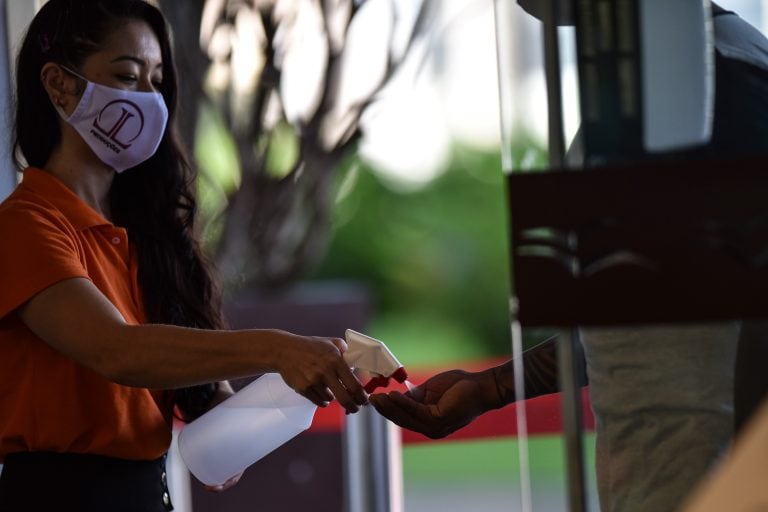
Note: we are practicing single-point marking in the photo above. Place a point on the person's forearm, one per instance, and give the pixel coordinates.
(539, 371)
(163, 356)
(76, 319)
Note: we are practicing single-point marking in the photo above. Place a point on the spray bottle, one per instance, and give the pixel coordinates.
(373, 356)
(267, 413)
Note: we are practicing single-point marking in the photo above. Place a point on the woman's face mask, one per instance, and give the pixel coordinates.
(124, 128)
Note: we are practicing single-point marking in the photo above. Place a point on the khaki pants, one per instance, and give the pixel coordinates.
(663, 404)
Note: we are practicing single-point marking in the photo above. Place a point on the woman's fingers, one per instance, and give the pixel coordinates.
(320, 396)
(226, 485)
(340, 344)
(352, 384)
(348, 390)
(315, 368)
(343, 396)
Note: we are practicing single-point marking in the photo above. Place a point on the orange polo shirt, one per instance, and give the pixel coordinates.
(49, 402)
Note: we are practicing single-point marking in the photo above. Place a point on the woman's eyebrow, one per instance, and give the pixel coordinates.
(137, 60)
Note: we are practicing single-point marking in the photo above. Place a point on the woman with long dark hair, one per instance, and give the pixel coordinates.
(106, 300)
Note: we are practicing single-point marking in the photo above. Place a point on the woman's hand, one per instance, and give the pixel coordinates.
(315, 368)
(443, 404)
(226, 485)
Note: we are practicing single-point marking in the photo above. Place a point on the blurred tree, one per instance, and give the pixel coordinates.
(192, 62)
(435, 259)
(290, 79)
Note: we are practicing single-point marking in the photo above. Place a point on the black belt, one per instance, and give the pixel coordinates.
(43, 481)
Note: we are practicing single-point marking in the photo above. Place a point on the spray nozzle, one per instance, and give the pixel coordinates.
(371, 355)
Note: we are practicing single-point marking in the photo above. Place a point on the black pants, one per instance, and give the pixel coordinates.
(44, 481)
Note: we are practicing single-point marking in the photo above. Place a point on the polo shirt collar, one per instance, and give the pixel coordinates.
(79, 213)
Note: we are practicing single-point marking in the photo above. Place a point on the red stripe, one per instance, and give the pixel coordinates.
(543, 415)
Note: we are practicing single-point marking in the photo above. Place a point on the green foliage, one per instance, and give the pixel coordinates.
(435, 259)
(282, 150)
(486, 460)
(219, 171)
(492, 461)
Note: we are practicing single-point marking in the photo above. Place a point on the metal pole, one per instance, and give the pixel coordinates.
(568, 349)
(526, 501)
(373, 469)
(554, 84)
(503, 12)
(569, 355)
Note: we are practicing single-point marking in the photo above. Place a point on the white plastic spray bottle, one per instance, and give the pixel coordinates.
(267, 413)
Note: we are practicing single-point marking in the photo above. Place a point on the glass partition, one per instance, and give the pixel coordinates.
(652, 374)
(538, 127)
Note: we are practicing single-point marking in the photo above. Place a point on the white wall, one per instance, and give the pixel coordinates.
(15, 15)
(7, 171)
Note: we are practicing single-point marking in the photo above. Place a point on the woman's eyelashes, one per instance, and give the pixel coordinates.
(133, 80)
(127, 79)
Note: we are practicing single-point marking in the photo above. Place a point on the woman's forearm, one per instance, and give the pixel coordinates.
(76, 319)
(164, 356)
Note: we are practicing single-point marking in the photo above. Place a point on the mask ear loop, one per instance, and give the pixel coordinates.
(81, 84)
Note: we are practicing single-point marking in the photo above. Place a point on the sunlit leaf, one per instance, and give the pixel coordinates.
(338, 125)
(218, 78)
(248, 51)
(248, 61)
(406, 15)
(273, 113)
(285, 10)
(303, 50)
(365, 58)
(212, 12)
(337, 15)
(219, 47)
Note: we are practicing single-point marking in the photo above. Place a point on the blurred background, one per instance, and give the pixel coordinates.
(357, 141)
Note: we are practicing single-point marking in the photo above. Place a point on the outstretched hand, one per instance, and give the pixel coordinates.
(441, 405)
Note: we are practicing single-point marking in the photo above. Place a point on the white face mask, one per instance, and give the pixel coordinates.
(124, 128)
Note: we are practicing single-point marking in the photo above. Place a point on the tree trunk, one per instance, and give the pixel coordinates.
(191, 62)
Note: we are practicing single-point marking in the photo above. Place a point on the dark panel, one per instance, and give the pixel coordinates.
(643, 244)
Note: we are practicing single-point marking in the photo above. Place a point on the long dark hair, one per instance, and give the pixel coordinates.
(154, 201)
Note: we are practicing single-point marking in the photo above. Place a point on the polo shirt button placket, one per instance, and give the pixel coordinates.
(164, 481)
(116, 240)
